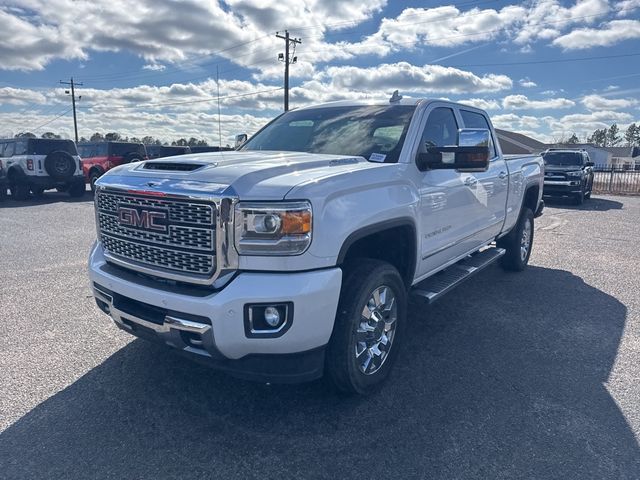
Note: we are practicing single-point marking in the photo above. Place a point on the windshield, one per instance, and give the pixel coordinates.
(41, 146)
(373, 132)
(560, 158)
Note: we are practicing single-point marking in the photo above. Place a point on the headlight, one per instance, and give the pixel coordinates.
(282, 228)
(574, 174)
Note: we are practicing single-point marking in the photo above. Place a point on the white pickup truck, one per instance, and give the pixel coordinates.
(294, 256)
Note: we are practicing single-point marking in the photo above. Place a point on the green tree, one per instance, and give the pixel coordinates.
(182, 142)
(112, 137)
(613, 136)
(50, 135)
(97, 137)
(599, 137)
(632, 135)
(573, 139)
(25, 135)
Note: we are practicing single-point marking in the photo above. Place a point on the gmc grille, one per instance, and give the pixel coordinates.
(186, 248)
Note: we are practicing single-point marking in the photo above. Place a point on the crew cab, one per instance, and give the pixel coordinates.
(294, 256)
(33, 165)
(568, 173)
(99, 157)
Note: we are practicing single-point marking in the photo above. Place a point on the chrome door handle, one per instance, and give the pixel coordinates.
(502, 175)
(470, 181)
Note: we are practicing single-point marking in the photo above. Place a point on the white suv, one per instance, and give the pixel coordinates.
(37, 164)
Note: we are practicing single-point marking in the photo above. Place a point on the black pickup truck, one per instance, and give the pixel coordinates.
(568, 173)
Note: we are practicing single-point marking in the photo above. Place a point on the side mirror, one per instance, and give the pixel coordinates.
(240, 139)
(590, 164)
(471, 154)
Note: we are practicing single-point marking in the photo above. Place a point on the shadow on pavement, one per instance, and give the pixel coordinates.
(593, 203)
(501, 379)
(50, 196)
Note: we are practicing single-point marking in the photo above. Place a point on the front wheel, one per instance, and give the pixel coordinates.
(19, 191)
(518, 243)
(93, 178)
(369, 327)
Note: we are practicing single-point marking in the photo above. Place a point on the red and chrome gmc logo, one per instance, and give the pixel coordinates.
(143, 219)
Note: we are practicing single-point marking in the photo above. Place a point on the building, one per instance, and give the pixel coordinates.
(627, 158)
(513, 143)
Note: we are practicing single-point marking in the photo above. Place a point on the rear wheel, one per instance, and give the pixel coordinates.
(37, 191)
(369, 326)
(518, 243)
(19, 191)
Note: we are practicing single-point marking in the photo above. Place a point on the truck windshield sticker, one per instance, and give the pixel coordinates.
(377, 157)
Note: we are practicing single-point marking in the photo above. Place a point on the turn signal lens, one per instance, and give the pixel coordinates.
(296, 223)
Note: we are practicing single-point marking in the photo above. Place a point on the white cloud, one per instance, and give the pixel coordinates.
(522, 102)
(482, 103)
(626, 6)
(513, 122)
(412, 78)
(609, 34)
(20, 96)
(527, 83)
(154, 67)
(596, 102)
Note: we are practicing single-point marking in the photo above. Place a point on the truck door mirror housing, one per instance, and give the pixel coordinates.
(240, 139)
(471, 154)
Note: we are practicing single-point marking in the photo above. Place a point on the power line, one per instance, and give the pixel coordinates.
(52, 120)
(73, 103)
(559, 60)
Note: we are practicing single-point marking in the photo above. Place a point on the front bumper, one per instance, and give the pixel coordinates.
(210, 326)
(562, 187)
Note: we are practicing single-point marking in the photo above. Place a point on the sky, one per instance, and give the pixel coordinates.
(544, 68)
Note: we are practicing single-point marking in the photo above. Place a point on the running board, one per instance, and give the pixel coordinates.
(432, 288)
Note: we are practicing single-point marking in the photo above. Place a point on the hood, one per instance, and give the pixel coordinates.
(252, 175)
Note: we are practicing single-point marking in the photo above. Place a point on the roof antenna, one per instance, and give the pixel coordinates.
(396, 97)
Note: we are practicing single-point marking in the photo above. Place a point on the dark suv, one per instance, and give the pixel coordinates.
(568, 173)
(161, 151)
(99, 157)
(38, 164)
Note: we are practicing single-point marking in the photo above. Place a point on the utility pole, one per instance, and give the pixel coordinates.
(287, 59)
(73, 103)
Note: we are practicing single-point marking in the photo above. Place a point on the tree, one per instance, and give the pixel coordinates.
(632, 135)
(613, 136)
(573, 139)
(599, 137)
(25, 135)
(180, 142)
(97, 137)
(112, 137)
(50, 135)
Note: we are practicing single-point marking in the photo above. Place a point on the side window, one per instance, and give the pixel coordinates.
(441, 129)
(21, 147)
(8, 150)
(2, 145)
(476, 120)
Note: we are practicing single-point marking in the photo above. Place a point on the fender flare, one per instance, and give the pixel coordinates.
(374, 228)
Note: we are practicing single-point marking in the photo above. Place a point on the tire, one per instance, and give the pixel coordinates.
(3, 192)
(351, 365)
(94, 175)
(579, 198)
(19, 191)
(37, 191)
(132, 157)
(77, 189)
(517, 254)
(62, 189)
(60, 165)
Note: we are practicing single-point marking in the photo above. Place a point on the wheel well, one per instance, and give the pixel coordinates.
(531, 198)
(96, 169)
(393, 244)
(15, 173)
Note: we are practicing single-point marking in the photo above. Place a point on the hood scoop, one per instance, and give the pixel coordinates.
(172, 166)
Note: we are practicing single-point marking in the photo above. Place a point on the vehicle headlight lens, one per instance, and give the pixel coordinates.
(282, 228)
(574, 174)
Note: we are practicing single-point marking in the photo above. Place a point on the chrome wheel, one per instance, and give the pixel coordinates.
(525, 241)
(375, 332)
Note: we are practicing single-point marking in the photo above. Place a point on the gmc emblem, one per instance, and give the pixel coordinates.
(142, 218)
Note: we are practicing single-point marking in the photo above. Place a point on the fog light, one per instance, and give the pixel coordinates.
(267, 319)
(272, 316)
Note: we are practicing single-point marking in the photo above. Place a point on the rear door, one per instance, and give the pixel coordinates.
(490, 188)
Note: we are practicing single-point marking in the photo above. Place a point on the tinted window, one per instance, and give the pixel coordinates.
(441, 129)
(7, 151)
(91, 150)
(477, 120)
(359, 131)
(41, 146)
(562, 158)
(123, 149)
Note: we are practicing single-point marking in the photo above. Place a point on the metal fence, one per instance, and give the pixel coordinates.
(609, 179)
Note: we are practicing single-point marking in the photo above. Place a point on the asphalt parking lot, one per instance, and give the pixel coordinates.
(531, 375)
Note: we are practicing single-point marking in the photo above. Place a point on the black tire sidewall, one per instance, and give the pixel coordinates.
(359, 281)
(93, 178)
(19, 191)
(49, 165)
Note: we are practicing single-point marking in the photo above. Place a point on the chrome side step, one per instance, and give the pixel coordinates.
(434, 287)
